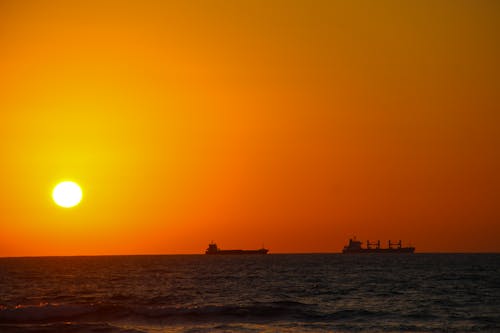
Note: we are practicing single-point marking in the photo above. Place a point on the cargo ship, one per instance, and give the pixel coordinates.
(213, 249)
(355, 246)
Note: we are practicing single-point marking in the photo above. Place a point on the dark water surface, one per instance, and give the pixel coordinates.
(255, 293)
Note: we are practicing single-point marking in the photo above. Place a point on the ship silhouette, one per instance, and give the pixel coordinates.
(355, 246)
(213, 249)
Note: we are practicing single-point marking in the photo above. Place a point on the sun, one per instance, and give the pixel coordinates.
(67, 194)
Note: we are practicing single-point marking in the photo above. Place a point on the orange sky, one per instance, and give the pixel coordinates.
(296, 124)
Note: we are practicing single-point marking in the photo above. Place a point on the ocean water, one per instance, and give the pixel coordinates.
(254, 293)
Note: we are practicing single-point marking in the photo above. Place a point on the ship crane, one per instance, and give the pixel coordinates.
(399, 244)
(369, 245)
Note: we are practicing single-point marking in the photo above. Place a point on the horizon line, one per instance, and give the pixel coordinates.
(203, 254)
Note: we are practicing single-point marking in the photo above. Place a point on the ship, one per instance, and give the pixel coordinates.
(355, 246)
(213, 249)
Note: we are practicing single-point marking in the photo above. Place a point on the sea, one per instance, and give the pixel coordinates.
(252, 293)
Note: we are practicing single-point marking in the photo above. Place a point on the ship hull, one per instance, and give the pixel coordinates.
(237, 252)
(395, 251)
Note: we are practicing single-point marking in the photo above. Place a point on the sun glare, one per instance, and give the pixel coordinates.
(67, 194)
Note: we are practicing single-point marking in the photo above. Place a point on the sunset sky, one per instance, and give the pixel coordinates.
(293, 124)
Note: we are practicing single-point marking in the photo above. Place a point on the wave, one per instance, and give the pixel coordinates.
(56, 317)
(66, 327)
(49, 313)
(106, 318)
